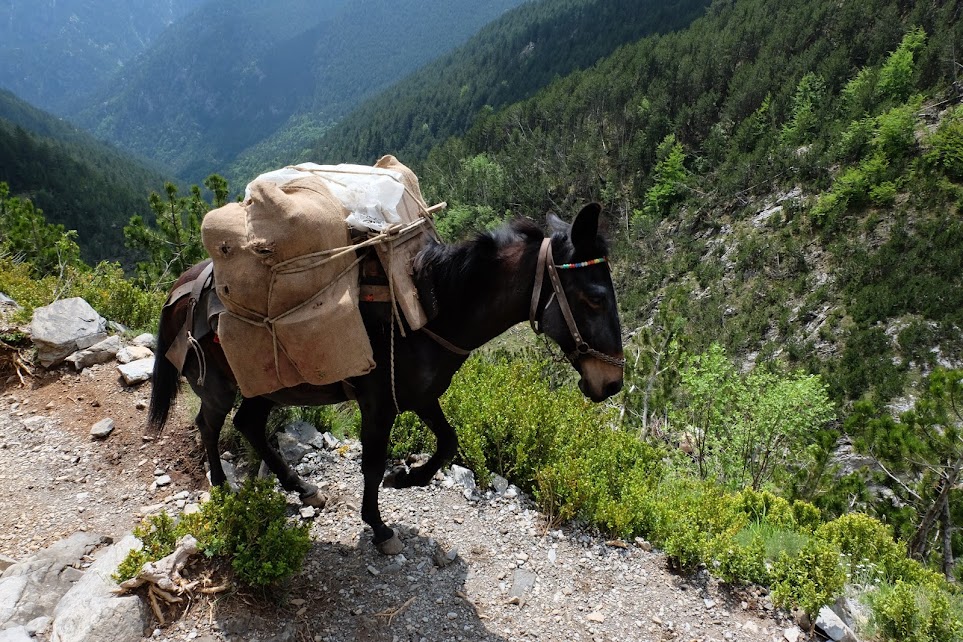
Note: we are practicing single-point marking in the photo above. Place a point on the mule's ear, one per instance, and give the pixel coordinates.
(556, 225)
(585, 227)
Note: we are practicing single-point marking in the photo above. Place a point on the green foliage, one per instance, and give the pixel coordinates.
(896, 75)
(946, 146)
(249, 528)
(917, 613)
(507, 61)
(79, 183)
(807, 110)
(26, 236)
(870, 552)
(173, 243)
(103, 286)
(669, 178)
(747, 427)
(811, 579)
(459, 222)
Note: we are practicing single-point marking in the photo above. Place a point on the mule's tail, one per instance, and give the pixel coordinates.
(165, 381)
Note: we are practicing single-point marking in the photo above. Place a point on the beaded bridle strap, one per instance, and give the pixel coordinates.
(545, 261)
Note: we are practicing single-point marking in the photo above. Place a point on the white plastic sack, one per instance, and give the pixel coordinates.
(370, 194)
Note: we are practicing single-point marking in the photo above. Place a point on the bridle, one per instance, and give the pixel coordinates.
(545, 260)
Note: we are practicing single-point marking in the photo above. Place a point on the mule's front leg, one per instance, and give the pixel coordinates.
(251, 420)
(375, 429)
(435, 419)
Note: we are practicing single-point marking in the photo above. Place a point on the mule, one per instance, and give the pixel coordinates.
(481, 288)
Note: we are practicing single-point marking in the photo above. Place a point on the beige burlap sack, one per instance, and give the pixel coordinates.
(292, 306)
(397, 256)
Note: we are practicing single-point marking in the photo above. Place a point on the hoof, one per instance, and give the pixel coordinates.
(315, 499)
(391, 546)
(395, 477)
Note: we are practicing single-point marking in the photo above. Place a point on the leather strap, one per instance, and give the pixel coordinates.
(545, 260)
(451, 347)
(543, 252)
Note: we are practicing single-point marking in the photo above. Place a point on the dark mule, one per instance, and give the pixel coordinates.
(482, 288)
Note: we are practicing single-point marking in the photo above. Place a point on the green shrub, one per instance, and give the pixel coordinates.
(765, 506)
(249, 528)
(916, 613)
(809, 580)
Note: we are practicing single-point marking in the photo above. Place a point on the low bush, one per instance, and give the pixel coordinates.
(916, 613)
(249, 528)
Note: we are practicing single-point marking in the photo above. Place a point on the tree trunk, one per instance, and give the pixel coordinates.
(917, 546)
(947, 528)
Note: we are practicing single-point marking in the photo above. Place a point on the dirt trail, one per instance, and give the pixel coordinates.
(512, 577)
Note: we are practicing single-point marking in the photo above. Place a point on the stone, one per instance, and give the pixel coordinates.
(133, 353)
(146, 340)
(91, 611)
(330, 441)
(31, 588)
(307, 512)
(852, 613)
(523, 581)
(304, 433)
(6, 562)
(63, 327)
(15, 634)
(100, 352)
(596, 617)
(102, 429)
(38, 625)
(291, 448)
(162, 480)
(833, 627)
(136, 371)
(792, 634)
(463, 477)
(229, 473)
(499, 484)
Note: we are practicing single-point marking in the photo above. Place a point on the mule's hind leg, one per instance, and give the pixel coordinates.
(209, 423)
(435, 419)
(251, 419)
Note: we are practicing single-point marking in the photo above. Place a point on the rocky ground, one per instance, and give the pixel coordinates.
(477, 565)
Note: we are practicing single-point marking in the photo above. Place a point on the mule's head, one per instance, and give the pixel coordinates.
(590, 296)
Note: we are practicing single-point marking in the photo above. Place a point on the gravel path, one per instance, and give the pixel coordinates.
(476, 566)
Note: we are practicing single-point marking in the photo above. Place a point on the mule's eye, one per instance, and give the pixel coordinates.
(593, 300)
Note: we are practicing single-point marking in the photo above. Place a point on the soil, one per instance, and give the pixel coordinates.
(476, 566)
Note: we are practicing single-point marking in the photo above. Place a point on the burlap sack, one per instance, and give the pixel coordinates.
(397, 257)
(293, 313)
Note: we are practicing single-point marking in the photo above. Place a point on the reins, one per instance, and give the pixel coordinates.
(546, 261)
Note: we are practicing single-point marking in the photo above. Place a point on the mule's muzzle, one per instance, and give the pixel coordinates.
(600, 380)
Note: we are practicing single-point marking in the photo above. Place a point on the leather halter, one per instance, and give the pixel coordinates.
(582, 348)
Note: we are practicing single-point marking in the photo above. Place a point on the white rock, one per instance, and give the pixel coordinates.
(835, 629)
(133, 353)
(137, 371)
(463, 477)
(146, 340)
(792, 634)
(102, 428)
(90, 611)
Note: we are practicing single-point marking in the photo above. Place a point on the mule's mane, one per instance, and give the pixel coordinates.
(462, 272)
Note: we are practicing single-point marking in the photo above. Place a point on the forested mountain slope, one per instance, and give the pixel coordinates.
(56, 51)
(77, 181)
(234, 72)
(786, 173)
(507, 61)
